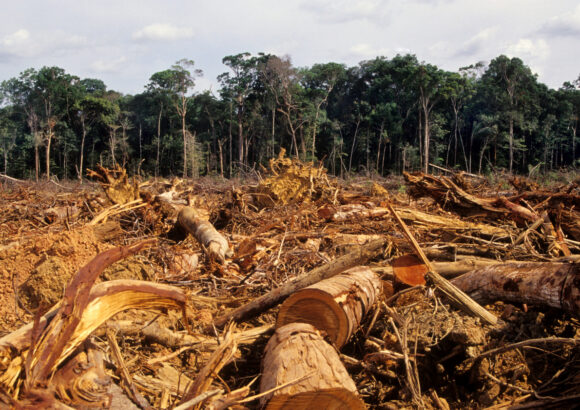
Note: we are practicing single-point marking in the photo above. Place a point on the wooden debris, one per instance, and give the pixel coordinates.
(217, 247)
(83, 380)
(223, 354)
(408, 269)
(292, 181)
(334, 306)
(451, 291)
(547, 284)
(116, 184)
(297, 352)
(263, 303)
(52, 338)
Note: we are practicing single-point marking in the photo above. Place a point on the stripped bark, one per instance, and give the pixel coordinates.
(298, 353)
(334, 306)
(216, 246)
(546, 284)
(358, 257)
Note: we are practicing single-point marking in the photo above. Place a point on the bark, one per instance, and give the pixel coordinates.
(446, 269)
(298, 358)
(334, 306)
(545, 284)
(358, 257)
(217, 247)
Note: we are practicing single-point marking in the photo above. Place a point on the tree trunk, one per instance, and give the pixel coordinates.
(214, 242)
(158, 140)
(36, 161)
(353, 145)
(298, 355)
(81, 159)
(511, 143)
(182, 111)
(546, 284)
(426, 132)
(335, 306)
(273, 152)
(240, 132)
(48, 142)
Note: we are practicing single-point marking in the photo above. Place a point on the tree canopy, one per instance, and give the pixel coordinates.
(383, 115)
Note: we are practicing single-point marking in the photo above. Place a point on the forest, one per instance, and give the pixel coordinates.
(381, 117)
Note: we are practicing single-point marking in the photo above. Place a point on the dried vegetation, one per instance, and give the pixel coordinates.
(165, 294)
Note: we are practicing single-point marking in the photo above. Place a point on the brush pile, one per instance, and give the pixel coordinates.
(299, 291)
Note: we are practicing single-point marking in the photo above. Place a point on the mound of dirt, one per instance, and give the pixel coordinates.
(45, 285)
(39, 267)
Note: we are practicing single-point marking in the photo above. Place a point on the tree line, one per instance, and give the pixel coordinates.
(382, 116)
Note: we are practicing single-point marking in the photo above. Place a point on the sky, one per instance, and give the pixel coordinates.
(124, 42)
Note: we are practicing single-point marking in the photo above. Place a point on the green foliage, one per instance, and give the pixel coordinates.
(378, 116)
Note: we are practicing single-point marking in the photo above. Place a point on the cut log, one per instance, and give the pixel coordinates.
(217, 247)
(334, 306)
(272, 298)
(547, 284)
(298, 358)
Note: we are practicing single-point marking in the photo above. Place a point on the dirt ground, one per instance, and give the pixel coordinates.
(48, 231)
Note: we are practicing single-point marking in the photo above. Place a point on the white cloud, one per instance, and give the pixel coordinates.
(108, 66)
(564, 25)
(23, 44)
(527, 48)
(160, 31)
(367, 51)
(474, 45)
(342, 11)
(15, 38)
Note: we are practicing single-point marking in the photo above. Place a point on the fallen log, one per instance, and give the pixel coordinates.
(541, 283)
(334, 306)
(446, 269)
(355, 258)
(216, 246)
(298, 356)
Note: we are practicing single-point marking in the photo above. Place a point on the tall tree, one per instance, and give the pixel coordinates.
(174, 85)
(318, 82)
(509, 79)
(237, 87)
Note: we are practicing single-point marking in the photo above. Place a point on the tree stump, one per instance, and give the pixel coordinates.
(334, 306)
(298, 356)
